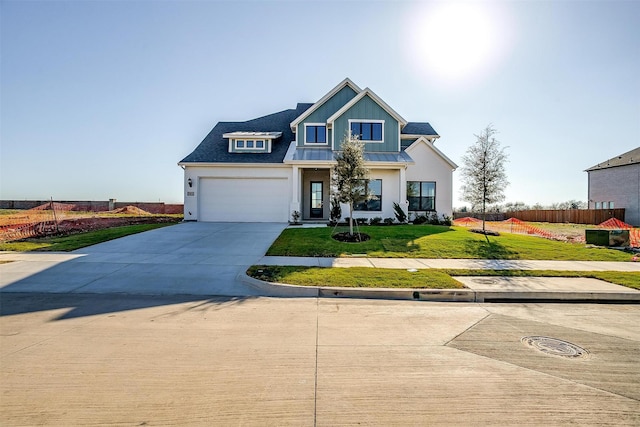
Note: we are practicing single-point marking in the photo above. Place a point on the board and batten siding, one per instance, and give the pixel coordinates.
(325, 111)
(368, 109)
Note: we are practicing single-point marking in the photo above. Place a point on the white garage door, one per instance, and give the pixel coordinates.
(244, 200)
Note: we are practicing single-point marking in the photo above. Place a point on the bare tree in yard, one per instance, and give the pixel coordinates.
(349, 175)
(483, 175)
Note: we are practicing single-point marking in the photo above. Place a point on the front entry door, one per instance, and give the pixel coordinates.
(316, 200)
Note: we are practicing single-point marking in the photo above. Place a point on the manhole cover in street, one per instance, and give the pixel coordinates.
(485, 281)
(555, 347)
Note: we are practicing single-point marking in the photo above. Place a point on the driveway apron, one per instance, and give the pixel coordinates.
(189, 258)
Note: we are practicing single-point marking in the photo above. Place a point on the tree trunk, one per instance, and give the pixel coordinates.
(351, 219)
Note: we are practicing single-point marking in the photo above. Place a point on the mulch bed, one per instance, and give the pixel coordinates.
(351, 238)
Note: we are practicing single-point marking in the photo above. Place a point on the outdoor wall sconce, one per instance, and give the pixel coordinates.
(190, 182)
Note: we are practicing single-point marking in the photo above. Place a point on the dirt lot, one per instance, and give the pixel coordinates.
(20, 224)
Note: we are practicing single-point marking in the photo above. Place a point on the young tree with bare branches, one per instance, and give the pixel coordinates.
(349, 174)
(483, 174)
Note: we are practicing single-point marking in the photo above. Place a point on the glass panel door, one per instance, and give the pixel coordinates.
(316, 200)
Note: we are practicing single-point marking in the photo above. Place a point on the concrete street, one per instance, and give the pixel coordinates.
(127, 332)
(87, 359)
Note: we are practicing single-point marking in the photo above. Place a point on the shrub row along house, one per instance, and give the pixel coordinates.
(263, 170)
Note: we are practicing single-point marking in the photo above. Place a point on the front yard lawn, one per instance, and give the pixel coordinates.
(426, 279)
(355, 277)
(433, 241)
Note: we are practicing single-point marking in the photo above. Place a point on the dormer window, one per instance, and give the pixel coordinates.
(251, 142)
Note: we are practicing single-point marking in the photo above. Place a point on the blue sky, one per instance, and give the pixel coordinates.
(101, 99)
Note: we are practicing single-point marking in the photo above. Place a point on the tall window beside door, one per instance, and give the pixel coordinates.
(421, 195)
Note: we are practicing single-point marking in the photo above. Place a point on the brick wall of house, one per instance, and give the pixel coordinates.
(620, 185)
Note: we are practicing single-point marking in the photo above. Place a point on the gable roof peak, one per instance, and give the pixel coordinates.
(346, 82)
(376, 99)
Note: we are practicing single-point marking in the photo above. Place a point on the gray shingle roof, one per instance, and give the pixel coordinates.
(215, 149)
(418, 128)
(628, 158)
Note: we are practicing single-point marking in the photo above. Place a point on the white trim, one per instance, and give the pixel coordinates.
(314, 107)
(235, 165)
(253, 149)
(402, 122)
(367, 141)
(429, 144)
(416, 136)
(252, 135)
(316, 144)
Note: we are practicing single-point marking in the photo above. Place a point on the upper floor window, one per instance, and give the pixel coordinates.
(374, 189)
(421, 195)
(315, 134)
(368, 131)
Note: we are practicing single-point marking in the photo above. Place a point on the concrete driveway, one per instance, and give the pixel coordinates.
(189, 258)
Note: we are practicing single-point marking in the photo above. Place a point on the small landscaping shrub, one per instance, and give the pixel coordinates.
(362, 221)
(446, 220)
(336, 211)
(375, 221)
(433, 218)
(388, 221)
(401, 216)
(420, 219)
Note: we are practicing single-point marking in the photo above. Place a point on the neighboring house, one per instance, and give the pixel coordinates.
(264, 169)
(615, 183)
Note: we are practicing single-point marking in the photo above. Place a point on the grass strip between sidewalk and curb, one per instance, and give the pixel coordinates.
(365, 277)
(77, 241)
(433, 241)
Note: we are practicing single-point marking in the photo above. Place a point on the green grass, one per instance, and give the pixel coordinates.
(428, 278)
(432, 241)
(355, 277)
(77, 241)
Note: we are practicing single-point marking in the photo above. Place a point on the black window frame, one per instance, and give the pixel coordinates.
(420, 198)
(314, 130)
(359, 128)
(373, 204)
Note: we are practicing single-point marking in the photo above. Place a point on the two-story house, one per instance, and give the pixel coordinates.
(264, 169)
(615, 183)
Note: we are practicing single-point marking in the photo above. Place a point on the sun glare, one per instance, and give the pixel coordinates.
(457, 43)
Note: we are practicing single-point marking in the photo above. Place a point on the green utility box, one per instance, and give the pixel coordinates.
(614, 238)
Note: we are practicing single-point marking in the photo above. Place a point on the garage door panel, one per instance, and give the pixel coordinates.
(243, 200)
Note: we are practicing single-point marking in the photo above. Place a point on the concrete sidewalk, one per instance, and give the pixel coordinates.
(470, 264)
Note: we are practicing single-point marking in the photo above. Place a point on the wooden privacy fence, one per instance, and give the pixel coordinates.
(573, 216)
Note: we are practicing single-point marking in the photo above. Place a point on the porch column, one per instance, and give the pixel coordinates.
(295, 188)
(404, 204)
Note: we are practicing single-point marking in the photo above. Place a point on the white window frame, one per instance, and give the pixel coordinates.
(368, 121)
(316, 144)
(245, 143)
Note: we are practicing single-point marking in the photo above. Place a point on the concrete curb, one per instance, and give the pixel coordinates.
(438, 295)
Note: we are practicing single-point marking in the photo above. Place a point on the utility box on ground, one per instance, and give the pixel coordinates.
(613, 238)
